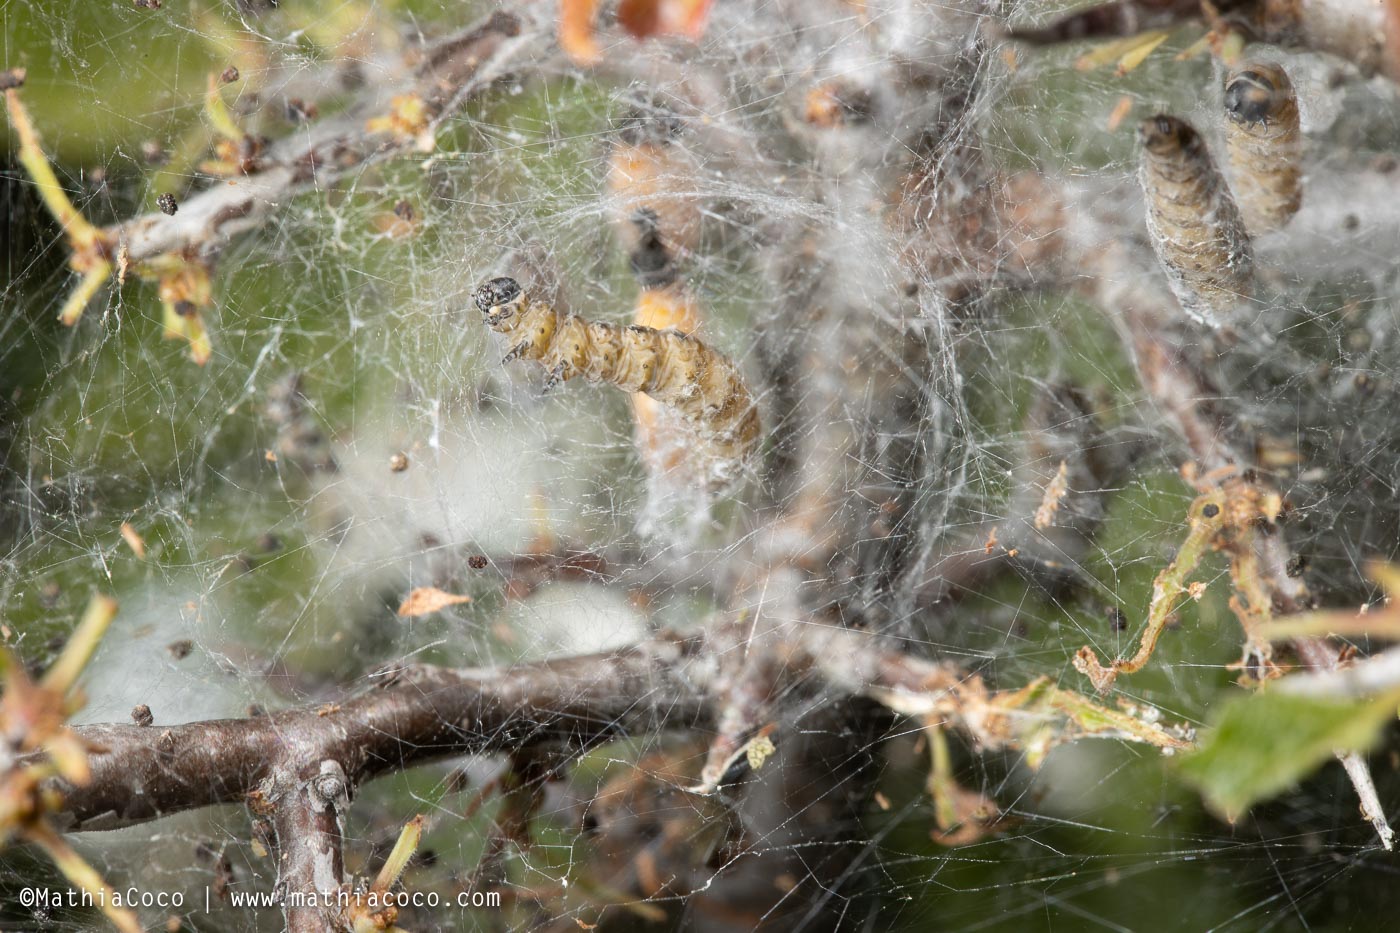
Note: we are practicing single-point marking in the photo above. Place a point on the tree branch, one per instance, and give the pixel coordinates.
(422, 714)
(310, 865)
(414, 715)
(452, 72)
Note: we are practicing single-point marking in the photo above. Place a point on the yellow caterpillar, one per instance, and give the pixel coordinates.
(1264, 143)
(677, 370)
(1193, 221)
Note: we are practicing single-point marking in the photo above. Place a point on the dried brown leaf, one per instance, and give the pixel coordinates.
(429, 599)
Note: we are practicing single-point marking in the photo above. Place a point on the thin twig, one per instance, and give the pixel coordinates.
(453, 72)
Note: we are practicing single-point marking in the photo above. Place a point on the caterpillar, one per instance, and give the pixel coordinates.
(1194, 224)
(697, 382)
(1263, 142)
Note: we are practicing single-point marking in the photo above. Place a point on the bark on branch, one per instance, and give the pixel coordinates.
(413, 715)
(307, 818)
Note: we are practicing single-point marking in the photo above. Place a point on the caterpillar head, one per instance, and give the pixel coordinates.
(498, 300)
(1254, 93)
(1165, 135)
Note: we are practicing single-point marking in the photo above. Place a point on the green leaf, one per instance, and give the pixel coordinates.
(1264, 743)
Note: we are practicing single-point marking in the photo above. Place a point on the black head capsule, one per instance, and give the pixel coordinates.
(1251, 96)
(495, 293)
(1165, 133)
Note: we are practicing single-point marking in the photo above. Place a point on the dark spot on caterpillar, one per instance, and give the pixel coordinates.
(1211, 510)
(496, 293)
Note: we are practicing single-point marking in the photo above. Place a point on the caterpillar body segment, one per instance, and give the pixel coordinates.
(1264, 145)
(677, 370)
(664, 443)
(1193, 221)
